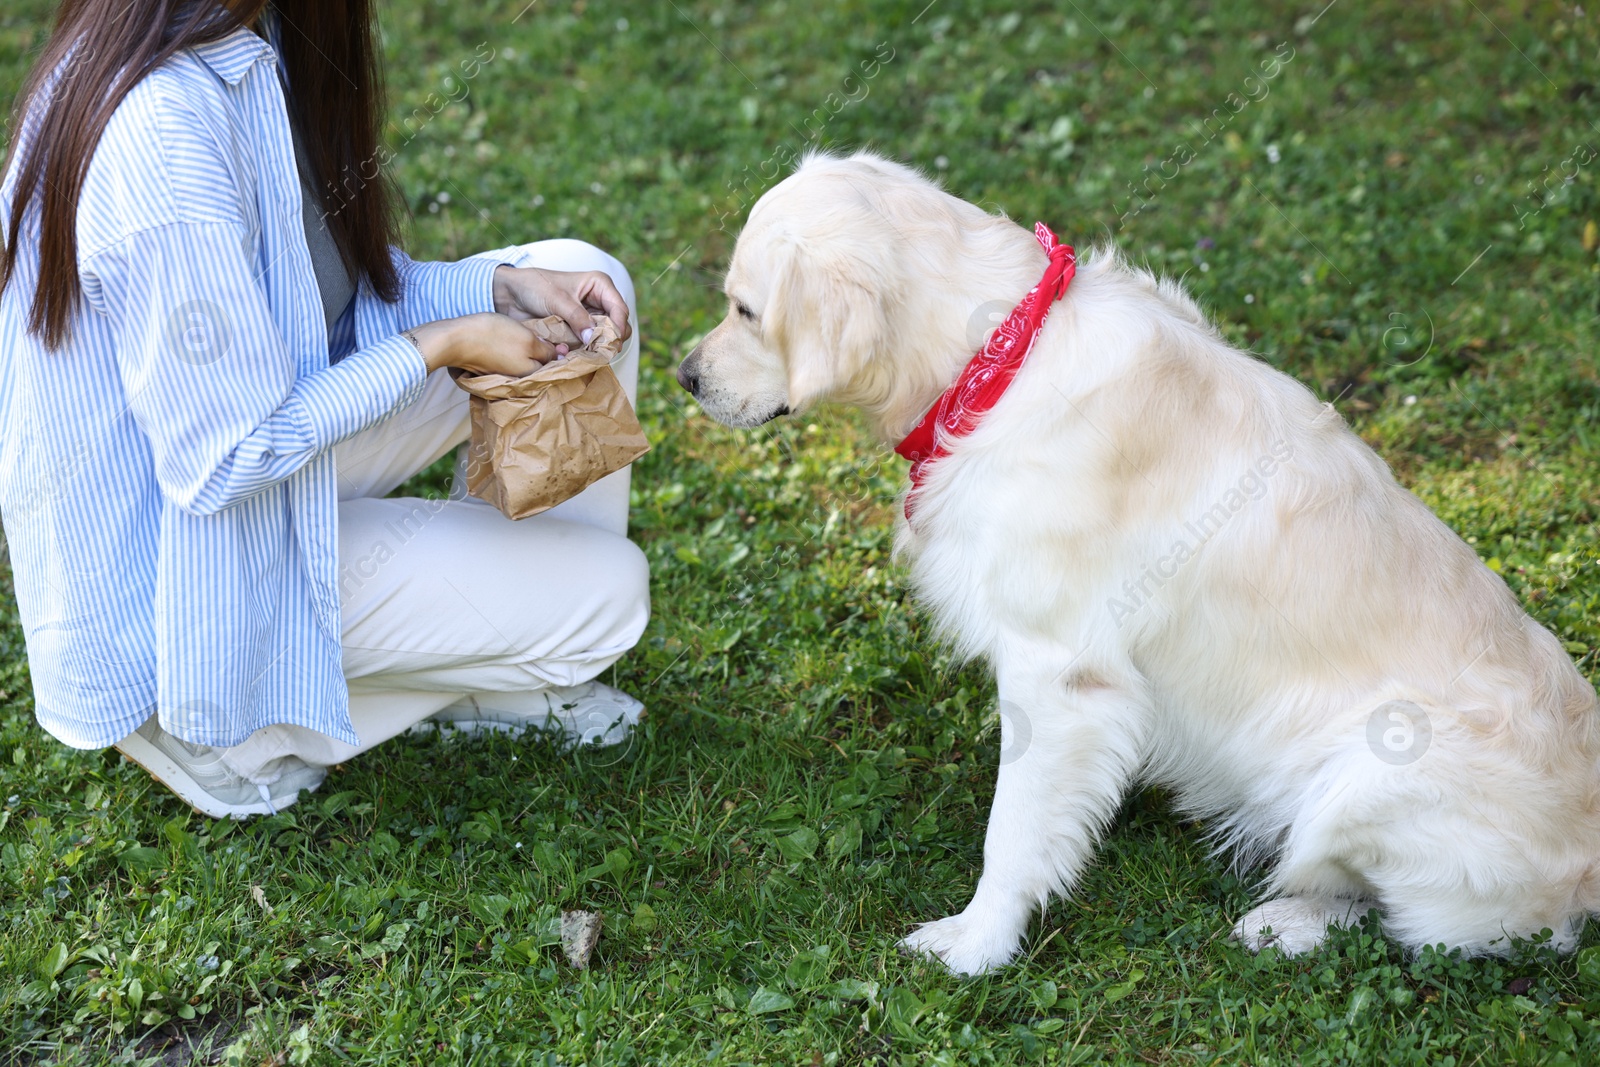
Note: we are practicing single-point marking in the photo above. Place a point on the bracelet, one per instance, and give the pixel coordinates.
(409, 336)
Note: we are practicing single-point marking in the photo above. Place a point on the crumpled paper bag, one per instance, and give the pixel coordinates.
(545, 437)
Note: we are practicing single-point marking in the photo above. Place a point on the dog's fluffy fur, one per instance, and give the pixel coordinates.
(1184, 570)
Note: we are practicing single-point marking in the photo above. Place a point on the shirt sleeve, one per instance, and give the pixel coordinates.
(207, 374)
(433, 291)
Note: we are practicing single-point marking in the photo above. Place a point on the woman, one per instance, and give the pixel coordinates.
(215, 367)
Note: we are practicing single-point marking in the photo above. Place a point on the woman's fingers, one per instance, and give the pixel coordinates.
(535, 351)
(543, 351)
(602, 290)
(574, 296)
(571, 309)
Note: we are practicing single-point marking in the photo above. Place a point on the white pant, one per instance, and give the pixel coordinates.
(443, 600)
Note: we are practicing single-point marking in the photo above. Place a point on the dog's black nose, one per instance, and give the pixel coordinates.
(689, 373)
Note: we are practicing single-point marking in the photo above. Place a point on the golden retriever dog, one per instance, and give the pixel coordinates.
(1184, 570)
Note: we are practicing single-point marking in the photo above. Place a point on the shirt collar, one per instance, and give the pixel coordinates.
(231, 57)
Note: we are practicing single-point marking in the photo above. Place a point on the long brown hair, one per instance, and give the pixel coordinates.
(102, 48)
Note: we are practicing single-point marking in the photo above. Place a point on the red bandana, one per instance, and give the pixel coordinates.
(988, 374)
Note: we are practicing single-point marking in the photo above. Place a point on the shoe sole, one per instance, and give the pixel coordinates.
(170, 773)
(468, 726)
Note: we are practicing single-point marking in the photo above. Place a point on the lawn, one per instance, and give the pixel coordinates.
(1394, 202)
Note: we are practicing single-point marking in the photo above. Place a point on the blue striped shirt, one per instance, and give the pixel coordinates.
(167, 479)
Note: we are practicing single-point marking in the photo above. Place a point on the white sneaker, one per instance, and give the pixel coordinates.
(587, 714)
(198, 776)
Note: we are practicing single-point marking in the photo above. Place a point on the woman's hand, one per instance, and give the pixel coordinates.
(531, 293)
(486, 343)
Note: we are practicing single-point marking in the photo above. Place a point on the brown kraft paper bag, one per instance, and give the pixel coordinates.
(545, 437)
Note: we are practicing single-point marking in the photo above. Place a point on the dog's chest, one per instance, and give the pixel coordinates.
(991, 554)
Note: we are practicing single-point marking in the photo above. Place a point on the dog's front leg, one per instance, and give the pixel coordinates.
(1068, 751)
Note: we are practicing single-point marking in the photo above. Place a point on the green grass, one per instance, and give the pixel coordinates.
(814, 773)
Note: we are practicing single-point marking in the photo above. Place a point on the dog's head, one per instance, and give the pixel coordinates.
(822, 290)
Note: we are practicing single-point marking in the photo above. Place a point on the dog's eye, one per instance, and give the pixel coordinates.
(744, 311)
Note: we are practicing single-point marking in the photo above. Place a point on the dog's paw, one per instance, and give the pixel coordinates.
(961, 944)
(1296, 925)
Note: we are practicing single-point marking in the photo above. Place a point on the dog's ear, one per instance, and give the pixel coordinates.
(826, 323)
